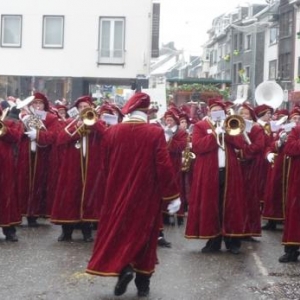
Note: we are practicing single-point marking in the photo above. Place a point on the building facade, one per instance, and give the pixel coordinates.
(69, 48)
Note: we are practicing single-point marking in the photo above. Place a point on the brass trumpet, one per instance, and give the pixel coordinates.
(89, 118)
(3, 127)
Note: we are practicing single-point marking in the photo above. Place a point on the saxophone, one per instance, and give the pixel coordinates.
(187, 156)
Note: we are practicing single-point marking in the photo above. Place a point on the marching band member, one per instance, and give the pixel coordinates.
(186, 167)
(79, 180)
(264, 114)
(177, 140)
(291, 231)
(275, 192)
(33, 158)
(62, 112)
(251, 158)
(217, 209)
(10, 215)
(138, 176)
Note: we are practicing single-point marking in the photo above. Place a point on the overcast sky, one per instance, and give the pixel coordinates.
(186, 22)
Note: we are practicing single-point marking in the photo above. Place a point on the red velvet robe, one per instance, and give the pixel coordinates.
(79, 178)
(252, 161)
(138, 176)
(262, 175)
(275, 193)
(291, 232)
(176, 145)
(34, 166)
(9, 209)
(203, 214)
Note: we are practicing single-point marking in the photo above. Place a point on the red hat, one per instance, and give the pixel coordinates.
(106, 109)
(279, 113)
(42, 97)
(251, 110)
(186, 109)
(173, 114)
(60, 106)
(295, 112)
(139, 101)
(216, 102)
(228, 104)
(117, 109)
(86, 99)
(184, 116)
(262, 109)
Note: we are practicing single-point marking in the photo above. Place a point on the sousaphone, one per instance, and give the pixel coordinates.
(269, 93)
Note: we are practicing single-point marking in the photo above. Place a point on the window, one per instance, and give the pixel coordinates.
(11, 31)
(284, 68)
(272, 69)
(286, 24)
(240, 41)
(111, 40)
(273, 35)
(235, 42)
(53, 32)
(248, 42)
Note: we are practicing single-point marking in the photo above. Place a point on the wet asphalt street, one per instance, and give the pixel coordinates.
(39, 267)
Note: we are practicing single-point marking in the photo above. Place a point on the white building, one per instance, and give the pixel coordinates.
(69, 48)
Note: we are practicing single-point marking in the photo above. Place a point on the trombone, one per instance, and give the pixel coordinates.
(3, 127)
(88, 116)
(233, 125)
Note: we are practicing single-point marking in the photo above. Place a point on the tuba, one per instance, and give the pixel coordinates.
(269, 93)
(31, 120)
(3, 127)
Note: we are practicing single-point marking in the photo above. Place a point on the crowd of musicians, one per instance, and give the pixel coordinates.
(227, 181)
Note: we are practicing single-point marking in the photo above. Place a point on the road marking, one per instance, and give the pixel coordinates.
(259, 265)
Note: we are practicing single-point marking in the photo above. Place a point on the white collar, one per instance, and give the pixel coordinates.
(261, 122)
(137, 114)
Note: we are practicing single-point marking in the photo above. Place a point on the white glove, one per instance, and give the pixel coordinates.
(31, 134)
(174, 206)
(270, 157)
(219, 130)
(283, 137)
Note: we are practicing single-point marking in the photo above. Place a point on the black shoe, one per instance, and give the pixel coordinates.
(32, 222)
(11, 237)
(162, 242)
(88, 239)
(210, 249)
(65, 237)
(143, 292)
(271, 225)
(234, 250)
(289, 257)
(124, 278)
